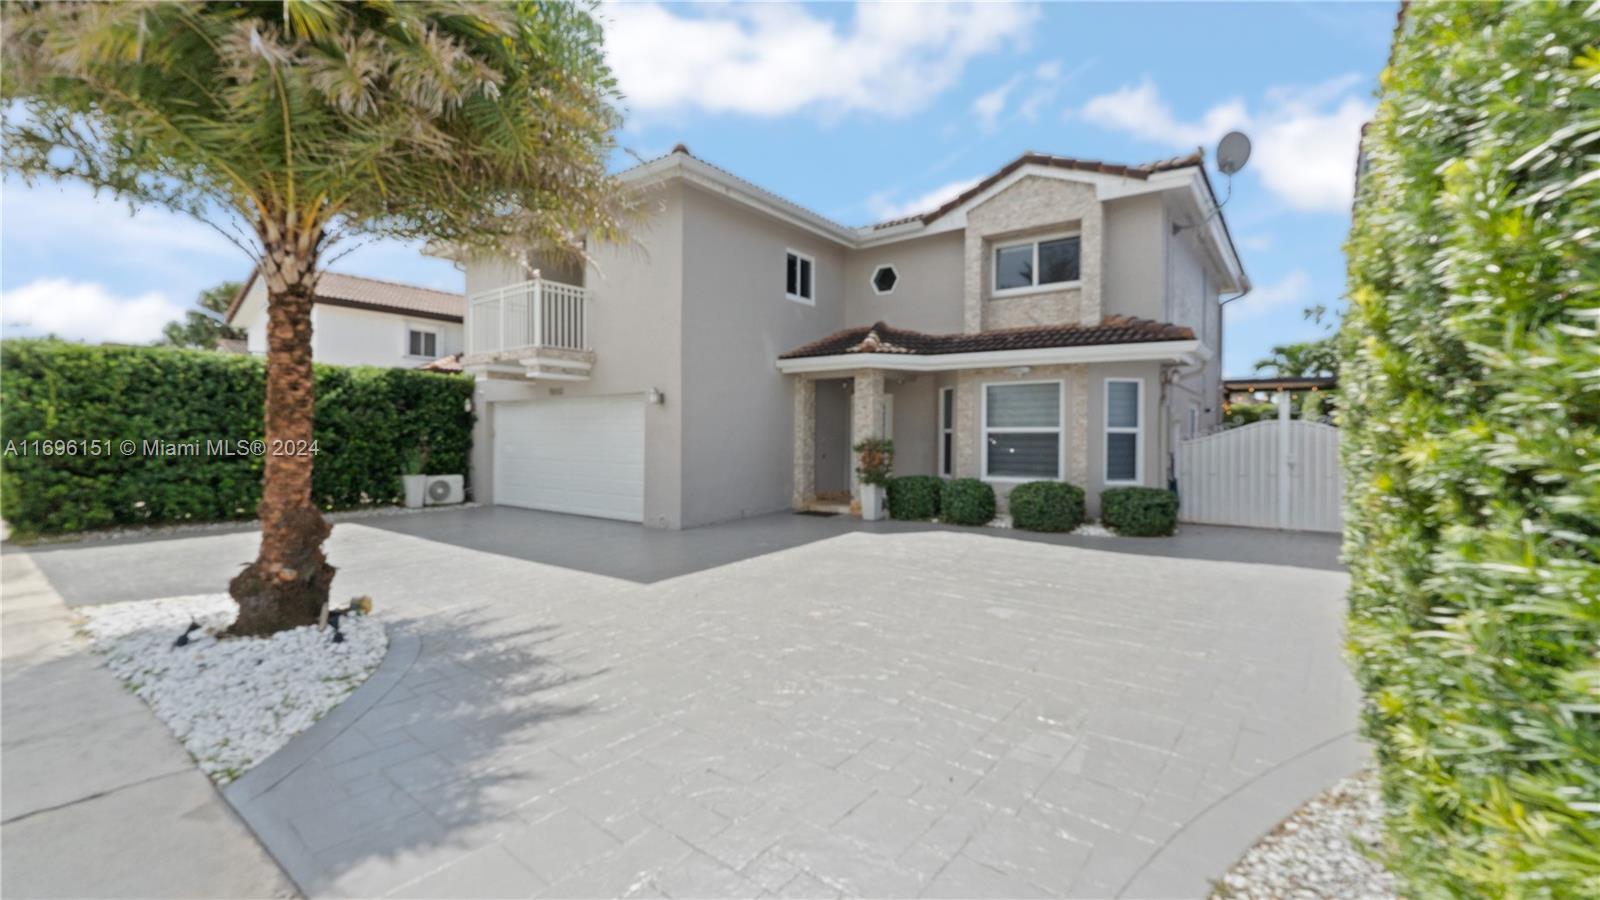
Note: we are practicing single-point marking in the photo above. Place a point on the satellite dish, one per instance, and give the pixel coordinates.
(1233, 151)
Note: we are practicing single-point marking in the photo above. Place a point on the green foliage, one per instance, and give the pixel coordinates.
(202, 327)
(874, 460)
(1305, 359)
(291, 125)
(1238, 414)
(966, 501)
(1046, 506)
(1139, 511)
(914, 497)
(1470, 404)
(367, 421)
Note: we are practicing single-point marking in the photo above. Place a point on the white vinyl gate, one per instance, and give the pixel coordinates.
(1278, 473)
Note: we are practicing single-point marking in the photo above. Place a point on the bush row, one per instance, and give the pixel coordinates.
(1470, 376)
(52, 392)
(1035, 505)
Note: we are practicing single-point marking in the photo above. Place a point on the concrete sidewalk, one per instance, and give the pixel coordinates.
(99, 800)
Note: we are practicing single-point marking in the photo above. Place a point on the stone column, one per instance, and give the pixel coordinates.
(1078, 433)
(866, 416)
(805, 435)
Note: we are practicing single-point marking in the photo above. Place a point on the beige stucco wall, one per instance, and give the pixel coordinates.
(636, 328)
(1136, 269)
(1030, 207)
(926, 297)
(738, 409)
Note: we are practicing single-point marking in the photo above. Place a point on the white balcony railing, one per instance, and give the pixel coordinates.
(537, 313)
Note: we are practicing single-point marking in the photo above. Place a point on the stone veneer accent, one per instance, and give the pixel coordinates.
(805, 435)
(866, 405)
(1034, 205)
(969, 431)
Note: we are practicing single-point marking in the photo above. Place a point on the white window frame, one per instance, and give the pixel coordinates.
(872, 280)
(808, 259)
(422, 329)
(1060, 431)
(1036, 288)
(947, 426)
(1137, 430)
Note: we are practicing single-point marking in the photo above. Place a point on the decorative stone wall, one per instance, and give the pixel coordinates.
(805, 433)
(1034, 205)
(969, 430)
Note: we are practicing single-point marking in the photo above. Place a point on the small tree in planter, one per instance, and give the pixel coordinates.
(875, 463)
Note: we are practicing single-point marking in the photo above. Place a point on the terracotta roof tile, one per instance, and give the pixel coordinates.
(451, 363)
(882, 338)
(354, 291)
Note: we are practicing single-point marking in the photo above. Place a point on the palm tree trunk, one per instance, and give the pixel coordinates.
(287, 585)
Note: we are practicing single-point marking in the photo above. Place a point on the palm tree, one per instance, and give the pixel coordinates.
(299, 126)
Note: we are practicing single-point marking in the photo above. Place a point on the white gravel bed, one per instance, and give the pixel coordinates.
(1322, 851)
(231, 701)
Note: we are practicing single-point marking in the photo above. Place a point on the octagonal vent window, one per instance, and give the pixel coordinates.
(884, 279)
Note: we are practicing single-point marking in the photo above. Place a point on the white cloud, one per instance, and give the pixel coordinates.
(1293, 289)
(1305, 137)
(86, 311)
(774, 60)
(884, 207)
(1256, 242)
(989, 106)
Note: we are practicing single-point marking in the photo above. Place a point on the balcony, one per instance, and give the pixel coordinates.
(536, 329)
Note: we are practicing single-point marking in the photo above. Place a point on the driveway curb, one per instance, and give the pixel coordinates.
(1214, 840)
(272, 830)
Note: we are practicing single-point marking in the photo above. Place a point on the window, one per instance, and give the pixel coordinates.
(1123, 419)
(1026, 266)
(884, 279)
(1022, 430)
(422, 343)
(799, 282)
(947, 432)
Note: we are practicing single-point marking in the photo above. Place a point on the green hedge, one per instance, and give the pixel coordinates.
(366, 420)
(1470, 383)
(1139, 511)
(966, 501)
(914, 497)
(1046, 506)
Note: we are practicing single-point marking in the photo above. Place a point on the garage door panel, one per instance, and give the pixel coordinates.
(582, 455)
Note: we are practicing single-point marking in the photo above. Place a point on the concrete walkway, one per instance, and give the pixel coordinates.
(97, 798)
(793, 706)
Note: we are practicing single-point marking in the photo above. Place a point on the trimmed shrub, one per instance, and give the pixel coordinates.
(1139, 511)
(966, 501)
(51, 392)
(1046, 506)
(914, 497)
(1470, 406)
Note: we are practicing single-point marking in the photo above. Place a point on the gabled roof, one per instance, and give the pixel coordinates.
(356, 292)
(1141, 171)
(883, 338)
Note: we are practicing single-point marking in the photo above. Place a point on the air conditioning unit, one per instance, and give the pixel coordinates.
(444, 490)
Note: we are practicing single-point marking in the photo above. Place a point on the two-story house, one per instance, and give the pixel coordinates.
(1059, 320)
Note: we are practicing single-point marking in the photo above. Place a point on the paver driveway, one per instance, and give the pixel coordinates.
(874, 712)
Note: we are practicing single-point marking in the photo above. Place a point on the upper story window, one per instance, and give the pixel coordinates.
(422, 343)
(800, 278)
(1036, 264)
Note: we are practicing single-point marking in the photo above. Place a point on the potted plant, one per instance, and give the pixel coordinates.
(875, 458)
(412, 476)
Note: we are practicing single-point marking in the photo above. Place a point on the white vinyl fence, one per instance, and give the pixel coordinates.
(1279, 473)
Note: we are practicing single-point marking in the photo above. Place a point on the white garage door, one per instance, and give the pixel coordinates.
(581, 455)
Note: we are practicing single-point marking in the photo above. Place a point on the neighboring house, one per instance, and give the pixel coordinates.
(362, 321)
(1253, 390)
(1059, 320)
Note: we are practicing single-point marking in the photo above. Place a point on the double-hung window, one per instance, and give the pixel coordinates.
(1123, 426)
(1030, 265)
(1022, 430)
(947, 431)
(422, 343)
(800, 278)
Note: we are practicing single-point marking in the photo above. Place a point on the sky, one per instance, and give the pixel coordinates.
(863, 112)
